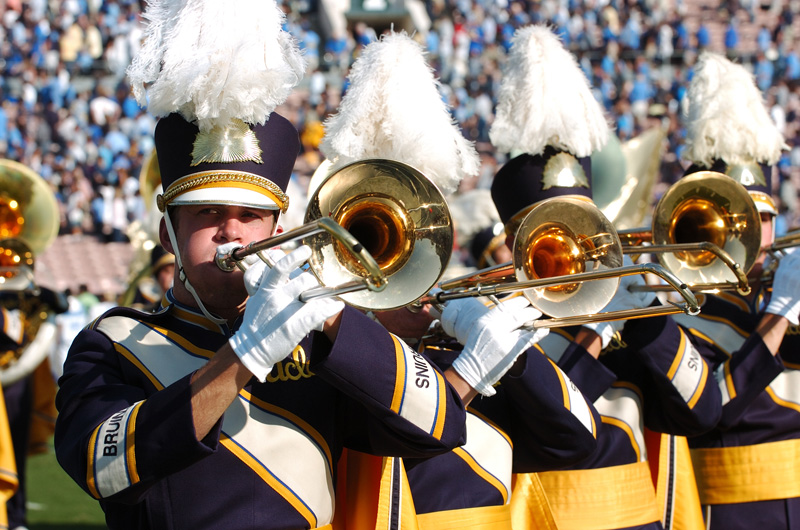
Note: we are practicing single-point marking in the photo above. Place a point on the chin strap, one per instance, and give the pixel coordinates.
(182, 274)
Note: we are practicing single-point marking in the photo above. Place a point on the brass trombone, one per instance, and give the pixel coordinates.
(379, 230)
(788, 240)
(775, 250)
(567, 260)
(706, 230)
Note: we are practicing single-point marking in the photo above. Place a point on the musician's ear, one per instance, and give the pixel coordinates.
(163, 236)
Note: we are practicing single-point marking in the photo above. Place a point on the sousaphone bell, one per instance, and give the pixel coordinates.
(29, 223)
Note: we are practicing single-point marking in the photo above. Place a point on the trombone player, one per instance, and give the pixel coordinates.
(747, 466)
(224, 410)
(648, 373)
(526, 415)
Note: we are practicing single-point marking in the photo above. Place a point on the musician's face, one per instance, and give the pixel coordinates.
(199, 230)
(502, 254)
(767, 229)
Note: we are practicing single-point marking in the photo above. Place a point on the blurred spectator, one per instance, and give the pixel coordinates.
(731, 37)
(67, 112)
(764, 72)
(703, 36)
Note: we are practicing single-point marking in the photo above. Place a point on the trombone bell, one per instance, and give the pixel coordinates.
(707, 207)
(544, 248)
(401, 219)
(382, 227)
(553, 251)
(694, 221)
(28, 207)
(11, 219)
(16, 266)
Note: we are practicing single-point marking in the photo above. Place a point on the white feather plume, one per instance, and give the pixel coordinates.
(213, 61)
(472, 211)
(393, 110)
(545, 99)
(726, 118)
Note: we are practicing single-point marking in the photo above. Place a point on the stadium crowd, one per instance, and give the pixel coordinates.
(67, 111)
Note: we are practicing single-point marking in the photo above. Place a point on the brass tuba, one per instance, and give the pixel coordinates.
(143, 235)
(706, 230)
(29, 222)
(376, 222)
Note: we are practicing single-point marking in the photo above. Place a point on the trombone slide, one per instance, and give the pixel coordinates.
(691, 307)
(741, 284)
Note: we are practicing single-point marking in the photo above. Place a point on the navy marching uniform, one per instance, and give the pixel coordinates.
(270, 462)
(537, 420)
(747, 466)
(653, 376)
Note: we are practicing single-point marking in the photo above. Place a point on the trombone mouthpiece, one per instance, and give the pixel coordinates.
(225, 261)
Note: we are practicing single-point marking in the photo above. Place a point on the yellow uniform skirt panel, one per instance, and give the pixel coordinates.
(485, 518)
(730, 475)
(596, 499)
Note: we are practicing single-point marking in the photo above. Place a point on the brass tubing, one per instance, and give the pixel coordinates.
(374, 280)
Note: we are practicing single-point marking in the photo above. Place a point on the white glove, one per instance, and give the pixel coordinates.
(785, 300)
(459, 316)
(275, 320)
(494, 343)
(623, 299)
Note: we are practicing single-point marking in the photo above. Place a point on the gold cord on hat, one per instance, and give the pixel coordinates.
(212, 179)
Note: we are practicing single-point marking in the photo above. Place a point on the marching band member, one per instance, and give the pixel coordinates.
(534, 418)
(28, 385)
(29, 219)
(479, 232)
(747, 467)
(652, 374)
(224, 410)
(11, 337)
(160, 273)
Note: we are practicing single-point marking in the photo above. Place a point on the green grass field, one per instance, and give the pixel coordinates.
(55, 502)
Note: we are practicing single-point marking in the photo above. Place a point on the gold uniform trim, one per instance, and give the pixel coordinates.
(484, 518)
(762, 198)
(596, 499)
(749, 473)
(224, 179)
